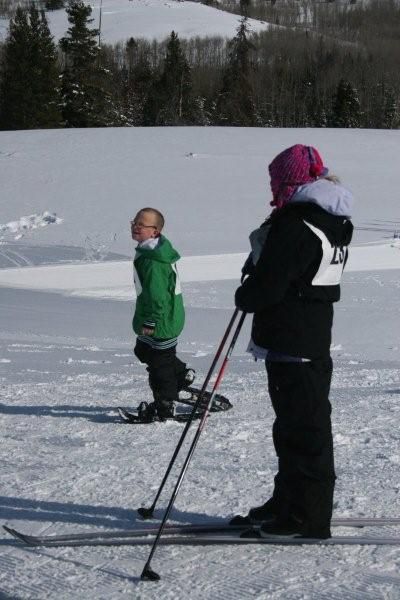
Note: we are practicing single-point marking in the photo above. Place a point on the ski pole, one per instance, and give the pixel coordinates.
(147, 513)
(148, 573)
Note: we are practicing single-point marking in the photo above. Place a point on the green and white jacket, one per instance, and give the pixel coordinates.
(159, 303)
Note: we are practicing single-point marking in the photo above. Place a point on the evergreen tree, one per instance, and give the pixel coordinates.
(80, 45)
(346, 110)
(244, 7)
(171, 100)
(375, 104)
(81, 53)
(315, 114)
(235, 102)
(29, 95)
(86, 86)
(137, 83)
(390, 117)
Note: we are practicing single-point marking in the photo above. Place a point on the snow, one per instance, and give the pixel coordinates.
(66, 362)
(17, 229)
(87, 280)
(151, 19)
(148, 166)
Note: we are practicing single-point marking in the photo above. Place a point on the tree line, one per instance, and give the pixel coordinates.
(283, 77)
(8, 7)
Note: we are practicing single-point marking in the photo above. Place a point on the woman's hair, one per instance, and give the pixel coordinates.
(332, 178)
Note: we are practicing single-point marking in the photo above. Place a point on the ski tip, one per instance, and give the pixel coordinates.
(122, 414)
(128, 417)
(11, 531)
(16, 534)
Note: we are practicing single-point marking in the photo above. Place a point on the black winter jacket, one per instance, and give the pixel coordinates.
(296, 280)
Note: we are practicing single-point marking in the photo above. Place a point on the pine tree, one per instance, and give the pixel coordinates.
(346, 110)
(244, 7)
(86, 87)
(235, 102)
(375, 104)
(29, 94)
(80, 45)
(137, 83)
(390, 117)
(314, 103)
(171, 101)
(81, 53)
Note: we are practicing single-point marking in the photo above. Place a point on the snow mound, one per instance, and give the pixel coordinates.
(24, 225)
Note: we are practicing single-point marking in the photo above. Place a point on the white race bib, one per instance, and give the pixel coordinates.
(178, 289)
(136, 281)
(333, 260)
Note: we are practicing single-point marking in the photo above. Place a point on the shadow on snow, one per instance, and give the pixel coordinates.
(96, 414)
(25, 509)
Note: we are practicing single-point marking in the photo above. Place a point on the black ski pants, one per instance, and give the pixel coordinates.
(302, 436)
(166, 372)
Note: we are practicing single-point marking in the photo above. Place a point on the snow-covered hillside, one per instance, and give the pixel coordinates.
(66, 362)
(152, 19)
(95, 180)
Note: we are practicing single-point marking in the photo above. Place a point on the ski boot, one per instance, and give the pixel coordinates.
(165, 410)
(147, 412)
(266, 513)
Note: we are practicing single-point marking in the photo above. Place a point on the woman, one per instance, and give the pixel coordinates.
(291, 289)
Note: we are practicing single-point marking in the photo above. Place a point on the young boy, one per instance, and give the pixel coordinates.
(159, 315)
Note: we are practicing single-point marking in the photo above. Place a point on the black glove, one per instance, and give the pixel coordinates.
(248, 268)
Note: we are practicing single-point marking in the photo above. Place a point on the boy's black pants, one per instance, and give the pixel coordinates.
(166, 371)
(302, 437)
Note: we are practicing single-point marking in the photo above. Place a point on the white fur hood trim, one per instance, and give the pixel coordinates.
(332, 197)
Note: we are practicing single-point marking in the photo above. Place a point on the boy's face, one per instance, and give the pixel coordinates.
(144, 227)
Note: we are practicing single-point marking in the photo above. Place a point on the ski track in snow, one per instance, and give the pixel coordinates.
(70, 464)
(66, 364)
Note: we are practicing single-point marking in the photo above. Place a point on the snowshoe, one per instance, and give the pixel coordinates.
(219, 403)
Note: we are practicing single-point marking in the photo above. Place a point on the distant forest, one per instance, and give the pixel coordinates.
(321, 64)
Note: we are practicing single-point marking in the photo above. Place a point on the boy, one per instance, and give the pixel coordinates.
(159, 315)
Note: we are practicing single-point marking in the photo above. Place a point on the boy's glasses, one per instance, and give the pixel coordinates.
(141, 226)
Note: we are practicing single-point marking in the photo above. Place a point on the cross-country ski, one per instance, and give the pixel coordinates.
(234, 539)
(205, 528)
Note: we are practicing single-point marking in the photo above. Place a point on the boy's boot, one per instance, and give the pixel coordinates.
(165, 409)
(190, 376)
(186, 378)
(164, 406)
(146, 412)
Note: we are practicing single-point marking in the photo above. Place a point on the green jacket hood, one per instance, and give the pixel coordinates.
(164, 252)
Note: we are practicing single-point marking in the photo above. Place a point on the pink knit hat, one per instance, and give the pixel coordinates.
(291, 168)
